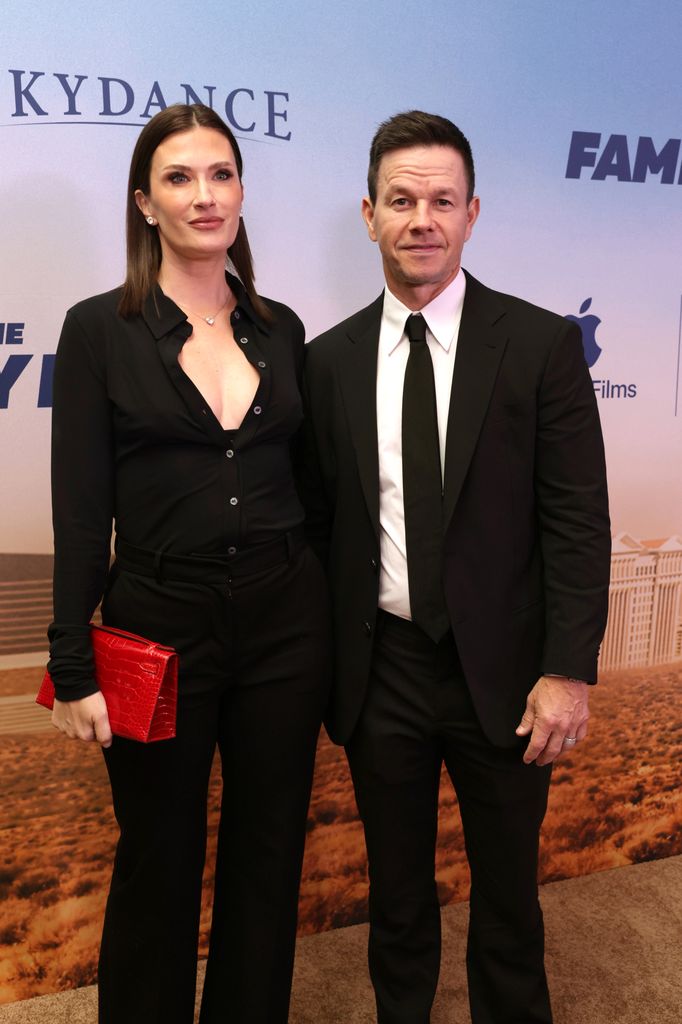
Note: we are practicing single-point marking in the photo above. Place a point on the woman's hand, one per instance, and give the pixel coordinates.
(85, 719)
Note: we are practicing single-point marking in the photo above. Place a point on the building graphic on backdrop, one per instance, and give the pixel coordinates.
(645, 603)
(25, 605)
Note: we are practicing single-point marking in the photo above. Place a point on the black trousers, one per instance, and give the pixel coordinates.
(418, 715)
(253, 682)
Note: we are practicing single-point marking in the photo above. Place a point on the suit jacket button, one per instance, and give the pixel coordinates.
(367, 626)
(374, 565)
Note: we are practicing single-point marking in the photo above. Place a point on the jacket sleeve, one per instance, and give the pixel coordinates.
(572, 511)
(82, 503)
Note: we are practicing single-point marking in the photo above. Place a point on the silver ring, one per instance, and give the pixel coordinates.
(570, 741)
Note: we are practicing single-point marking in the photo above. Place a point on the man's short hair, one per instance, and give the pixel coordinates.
(416, 128)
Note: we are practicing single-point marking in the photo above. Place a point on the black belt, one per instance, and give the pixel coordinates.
(162, 565)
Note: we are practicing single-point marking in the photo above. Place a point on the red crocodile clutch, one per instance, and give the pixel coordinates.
(139, 682)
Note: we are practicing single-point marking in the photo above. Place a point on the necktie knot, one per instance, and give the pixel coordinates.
(415, 328)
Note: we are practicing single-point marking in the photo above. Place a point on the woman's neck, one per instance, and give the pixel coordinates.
(194, 284)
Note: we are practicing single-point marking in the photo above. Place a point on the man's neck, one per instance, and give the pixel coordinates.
(417, 296)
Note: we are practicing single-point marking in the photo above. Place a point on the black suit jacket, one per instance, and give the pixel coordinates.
(527, 541)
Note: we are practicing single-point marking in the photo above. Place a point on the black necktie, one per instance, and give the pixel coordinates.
(422, 486)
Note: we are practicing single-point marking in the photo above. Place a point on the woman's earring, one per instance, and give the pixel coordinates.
(150, 220)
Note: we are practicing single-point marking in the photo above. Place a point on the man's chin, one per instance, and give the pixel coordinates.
(415, 277)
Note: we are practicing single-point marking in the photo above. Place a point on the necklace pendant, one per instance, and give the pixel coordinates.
(210, 320)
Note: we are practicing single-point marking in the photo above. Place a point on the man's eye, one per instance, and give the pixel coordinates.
(444, 202)
(401, 201)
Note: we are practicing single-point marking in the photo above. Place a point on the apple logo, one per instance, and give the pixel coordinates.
(588, 326)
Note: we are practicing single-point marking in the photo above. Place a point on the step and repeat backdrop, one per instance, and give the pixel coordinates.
(573, 114)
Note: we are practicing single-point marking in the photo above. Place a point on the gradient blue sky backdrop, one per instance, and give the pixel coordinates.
(518, 78)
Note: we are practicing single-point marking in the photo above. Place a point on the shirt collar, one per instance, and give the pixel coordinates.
(163, 316)
(442, 315)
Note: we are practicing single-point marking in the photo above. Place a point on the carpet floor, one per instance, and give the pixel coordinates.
(614, 956)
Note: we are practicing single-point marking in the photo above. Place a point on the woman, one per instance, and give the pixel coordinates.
(175, 404)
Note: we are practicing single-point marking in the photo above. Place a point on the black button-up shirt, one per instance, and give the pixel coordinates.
(134, 441)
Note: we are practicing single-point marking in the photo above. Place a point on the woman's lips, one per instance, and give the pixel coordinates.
(206, 223)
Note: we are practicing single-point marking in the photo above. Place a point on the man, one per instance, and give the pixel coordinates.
(457, 495)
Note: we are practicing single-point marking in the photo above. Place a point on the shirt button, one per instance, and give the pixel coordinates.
(234, 501)
(232, 551)
(229, 453)
(243, 341)
(257, 409)
(261, 364)
(367, 626)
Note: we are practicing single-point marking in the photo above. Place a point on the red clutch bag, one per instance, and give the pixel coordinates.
(139, 682)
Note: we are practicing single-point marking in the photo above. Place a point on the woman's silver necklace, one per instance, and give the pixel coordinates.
(210, 320)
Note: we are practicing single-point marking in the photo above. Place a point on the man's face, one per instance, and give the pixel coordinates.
(420, 220)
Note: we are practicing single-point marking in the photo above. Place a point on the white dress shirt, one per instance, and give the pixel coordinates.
(442, 316)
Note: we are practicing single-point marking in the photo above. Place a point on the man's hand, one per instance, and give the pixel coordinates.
(556, 718)
(85, 719)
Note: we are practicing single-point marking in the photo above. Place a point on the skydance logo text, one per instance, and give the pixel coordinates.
(42, 97)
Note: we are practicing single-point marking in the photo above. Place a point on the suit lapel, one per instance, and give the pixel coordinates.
(480, 347)
(358, 384)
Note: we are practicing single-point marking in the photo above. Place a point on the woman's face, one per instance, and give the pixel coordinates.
(195, 195)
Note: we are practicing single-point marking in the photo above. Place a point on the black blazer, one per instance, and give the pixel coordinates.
(527, 541)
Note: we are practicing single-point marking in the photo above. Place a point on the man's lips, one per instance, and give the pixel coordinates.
(421, 248)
